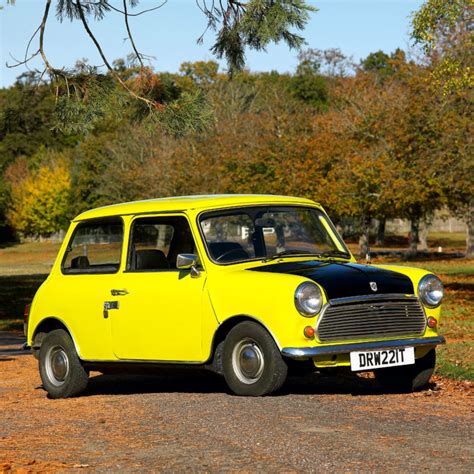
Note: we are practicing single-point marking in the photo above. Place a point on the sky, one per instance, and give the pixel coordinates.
(169, 34)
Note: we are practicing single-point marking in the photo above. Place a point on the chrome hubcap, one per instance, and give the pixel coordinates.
(247, 361)
(57, 365)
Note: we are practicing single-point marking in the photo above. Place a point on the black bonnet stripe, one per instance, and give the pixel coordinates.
(341, 280)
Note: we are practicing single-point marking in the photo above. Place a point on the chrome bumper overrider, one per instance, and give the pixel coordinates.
(308, 352)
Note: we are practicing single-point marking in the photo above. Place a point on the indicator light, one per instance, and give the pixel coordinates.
(432, 323)
(309, 332)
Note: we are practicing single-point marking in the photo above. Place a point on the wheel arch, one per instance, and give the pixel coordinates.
(215, 360)
(45, 326)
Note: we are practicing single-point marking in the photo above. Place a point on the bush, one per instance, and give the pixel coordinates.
(40, 200)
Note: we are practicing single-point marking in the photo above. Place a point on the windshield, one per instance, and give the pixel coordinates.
(269, 232)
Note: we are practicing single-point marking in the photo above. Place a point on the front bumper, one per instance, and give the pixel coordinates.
(310, 352)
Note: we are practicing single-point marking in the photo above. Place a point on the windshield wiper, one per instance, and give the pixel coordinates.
(295, 253)
(335, 253)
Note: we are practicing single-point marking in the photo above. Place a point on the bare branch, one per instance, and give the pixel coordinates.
(139, 57)
(26, 59)
(41, 40)
(20, 63)
(139, 13)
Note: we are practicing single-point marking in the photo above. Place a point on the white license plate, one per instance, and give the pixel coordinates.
(368, 360)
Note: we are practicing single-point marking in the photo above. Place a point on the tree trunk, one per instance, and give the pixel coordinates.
(470, 231)
(413, 237)
(364, 248)
(363, 245)
(380, 237)
(423, 236)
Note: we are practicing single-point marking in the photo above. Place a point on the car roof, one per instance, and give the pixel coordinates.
(183, 203)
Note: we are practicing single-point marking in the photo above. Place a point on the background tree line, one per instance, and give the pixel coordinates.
(389, 137)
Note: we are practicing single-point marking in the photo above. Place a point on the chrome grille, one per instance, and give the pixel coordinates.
(373, 316)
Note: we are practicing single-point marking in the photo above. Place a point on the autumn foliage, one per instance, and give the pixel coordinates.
(39, 198)
(374, 143)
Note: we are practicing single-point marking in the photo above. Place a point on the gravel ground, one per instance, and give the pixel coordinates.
(190, 422)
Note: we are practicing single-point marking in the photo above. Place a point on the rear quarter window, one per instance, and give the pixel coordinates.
(95, 247)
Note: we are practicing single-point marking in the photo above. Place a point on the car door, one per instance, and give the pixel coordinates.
(160, 309)
(89, 268)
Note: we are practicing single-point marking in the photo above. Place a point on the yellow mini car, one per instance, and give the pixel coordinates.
(248, 286)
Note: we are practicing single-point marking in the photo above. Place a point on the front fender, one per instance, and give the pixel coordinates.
(268, 298)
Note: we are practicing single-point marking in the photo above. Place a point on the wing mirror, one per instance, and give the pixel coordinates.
(188, 261)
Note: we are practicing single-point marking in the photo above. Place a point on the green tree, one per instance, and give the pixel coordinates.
(308, 84)
(26, 122)
(385, 65)
(444, 29)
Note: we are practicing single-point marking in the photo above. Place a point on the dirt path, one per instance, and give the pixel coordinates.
(189, 422)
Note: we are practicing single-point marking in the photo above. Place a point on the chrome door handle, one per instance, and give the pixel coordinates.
(108, 305)
(118, 292)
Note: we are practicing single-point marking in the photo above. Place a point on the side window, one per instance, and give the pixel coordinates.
(155, 243)
(95, 247)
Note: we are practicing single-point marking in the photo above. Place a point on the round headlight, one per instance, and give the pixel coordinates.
(430, 290)
(308, 299)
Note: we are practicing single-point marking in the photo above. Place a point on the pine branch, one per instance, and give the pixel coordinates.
(151, 104)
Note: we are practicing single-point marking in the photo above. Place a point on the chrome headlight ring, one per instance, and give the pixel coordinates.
(430, 291)
(308, 299)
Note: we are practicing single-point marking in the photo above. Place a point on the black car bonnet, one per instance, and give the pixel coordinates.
(345, 279)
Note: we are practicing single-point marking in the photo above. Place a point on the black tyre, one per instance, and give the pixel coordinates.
(61, 370)
(252, 362)
(408, 378)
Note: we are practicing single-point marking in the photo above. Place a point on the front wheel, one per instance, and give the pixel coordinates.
(408, 378)
(60, 369)
(252, 362)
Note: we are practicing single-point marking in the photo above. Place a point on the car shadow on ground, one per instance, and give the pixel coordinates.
(138, 384)
(206, 382)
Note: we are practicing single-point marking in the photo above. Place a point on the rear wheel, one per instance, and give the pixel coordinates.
(252, 362)
(408, 378)
(60, 369)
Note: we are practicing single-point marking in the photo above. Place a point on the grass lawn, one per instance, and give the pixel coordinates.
(448, 241)
(456, 358)
(23, 267)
